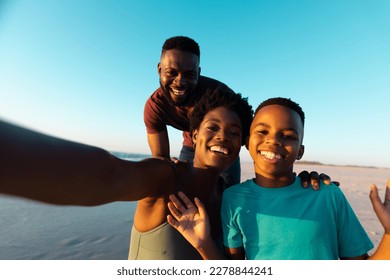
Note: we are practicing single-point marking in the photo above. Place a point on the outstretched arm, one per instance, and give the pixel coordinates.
(53, 170)
(193, 223)
(382, 210)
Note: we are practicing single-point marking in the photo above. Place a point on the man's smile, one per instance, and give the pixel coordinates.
(178, 92)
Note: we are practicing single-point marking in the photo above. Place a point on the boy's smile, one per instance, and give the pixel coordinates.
(218, 139)
(275, 141)
(271, 156)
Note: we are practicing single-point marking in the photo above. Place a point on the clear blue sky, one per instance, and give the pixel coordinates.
(83, 70)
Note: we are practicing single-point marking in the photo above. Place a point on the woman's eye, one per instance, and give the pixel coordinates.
(262, 132)
(289, 137)
(212, 128)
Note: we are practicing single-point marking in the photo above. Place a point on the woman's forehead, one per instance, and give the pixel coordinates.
(222, 115)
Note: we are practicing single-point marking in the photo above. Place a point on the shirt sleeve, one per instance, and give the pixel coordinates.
(152, 116)
(353, 239)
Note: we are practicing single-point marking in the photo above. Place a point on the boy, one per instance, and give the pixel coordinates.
(271, 217)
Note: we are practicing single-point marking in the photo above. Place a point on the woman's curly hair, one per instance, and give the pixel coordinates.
(223, 96)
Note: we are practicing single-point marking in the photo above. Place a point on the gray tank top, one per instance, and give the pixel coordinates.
(161, 243)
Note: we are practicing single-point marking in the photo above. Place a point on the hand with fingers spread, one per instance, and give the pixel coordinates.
(382, 210)
(190, 219)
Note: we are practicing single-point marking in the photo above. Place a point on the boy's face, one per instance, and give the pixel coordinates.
(275, 141)
(218, 139)
(179, 74)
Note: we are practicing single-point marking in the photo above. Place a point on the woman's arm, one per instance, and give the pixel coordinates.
(192, 221)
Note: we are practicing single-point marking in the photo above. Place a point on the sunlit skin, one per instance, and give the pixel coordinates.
(218, 139)
(218, 142)
(274, 144)
(179, 74)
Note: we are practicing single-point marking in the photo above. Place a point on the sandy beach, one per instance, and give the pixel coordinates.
(30, 230)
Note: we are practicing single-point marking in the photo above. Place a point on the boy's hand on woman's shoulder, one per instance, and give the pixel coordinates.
(313, 179)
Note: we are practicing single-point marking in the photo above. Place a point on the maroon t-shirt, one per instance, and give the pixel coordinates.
(158, 112)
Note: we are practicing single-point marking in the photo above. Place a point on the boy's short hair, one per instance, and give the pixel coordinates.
(181, 43)
(287, 102)
(223, 96)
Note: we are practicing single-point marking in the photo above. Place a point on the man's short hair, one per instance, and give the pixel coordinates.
(181, 43)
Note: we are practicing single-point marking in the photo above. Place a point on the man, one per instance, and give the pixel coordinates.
(181, 86)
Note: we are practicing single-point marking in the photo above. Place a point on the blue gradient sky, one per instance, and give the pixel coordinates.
(83, 70)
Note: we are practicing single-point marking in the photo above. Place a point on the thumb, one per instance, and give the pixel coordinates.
(172, 222)
(375, 200)
(201, 208)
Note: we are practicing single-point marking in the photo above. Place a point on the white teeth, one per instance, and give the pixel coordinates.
(219, 149)
(178, 92)
(270, 155)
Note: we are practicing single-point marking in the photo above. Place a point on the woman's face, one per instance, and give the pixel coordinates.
(218, 139)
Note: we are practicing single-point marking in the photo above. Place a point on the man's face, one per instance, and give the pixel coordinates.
(179, 74)
(275, 140)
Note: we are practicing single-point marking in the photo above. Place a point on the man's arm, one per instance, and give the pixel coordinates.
(159, 144)
(53, 170)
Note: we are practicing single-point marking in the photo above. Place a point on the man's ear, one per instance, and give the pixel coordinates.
(159, 68)
(247, 143)
(301, 152)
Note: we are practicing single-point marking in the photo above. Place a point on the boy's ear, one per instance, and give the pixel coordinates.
(194, 136)
(301, 152)
(247, 143)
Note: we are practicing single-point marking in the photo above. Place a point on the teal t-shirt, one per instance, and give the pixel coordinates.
(291, 222)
